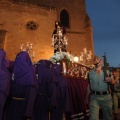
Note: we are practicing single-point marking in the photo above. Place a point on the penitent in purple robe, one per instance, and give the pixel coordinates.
(4, 82)
(63, 102)
(10, 65)
(46, 98)
(23, 90)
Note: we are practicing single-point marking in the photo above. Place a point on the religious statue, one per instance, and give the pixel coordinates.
(59, 39)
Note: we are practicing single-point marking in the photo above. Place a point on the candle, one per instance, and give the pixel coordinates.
(21, 48)
(31, 46)
(64, 68)
(33, 54)
(27, 44)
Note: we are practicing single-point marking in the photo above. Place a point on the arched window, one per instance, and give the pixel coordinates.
(64, 18)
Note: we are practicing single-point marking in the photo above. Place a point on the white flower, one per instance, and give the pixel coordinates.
(57, 57)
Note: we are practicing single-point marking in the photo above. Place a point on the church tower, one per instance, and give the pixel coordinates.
(32, 21)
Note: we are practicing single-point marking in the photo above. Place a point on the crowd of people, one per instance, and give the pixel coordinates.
(40, 92)
(32, 92)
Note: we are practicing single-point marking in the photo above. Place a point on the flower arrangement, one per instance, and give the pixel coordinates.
(58, 56)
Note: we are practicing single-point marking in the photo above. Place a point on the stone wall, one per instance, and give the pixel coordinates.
(14, 18)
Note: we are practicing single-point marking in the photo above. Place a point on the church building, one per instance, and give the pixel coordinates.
(31, 23)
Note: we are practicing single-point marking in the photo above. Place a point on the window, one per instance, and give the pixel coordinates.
(31, 25)
(64, 18)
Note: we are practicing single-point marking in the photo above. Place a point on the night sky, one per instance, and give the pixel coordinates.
(105, 20)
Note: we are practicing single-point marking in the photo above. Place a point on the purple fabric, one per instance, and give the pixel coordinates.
(3, 98)
(24, 86)
(63, 101)
(4, 74)
(43, 70)
(18, 109)
(47, 81)
(57, 68)
(77, 90)
(31, 101)
(46, 98)
(10, 65)
(24, 71)
(70, 96)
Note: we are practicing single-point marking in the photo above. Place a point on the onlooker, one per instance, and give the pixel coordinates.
(101, 97)
(4, 82)
(115, 92)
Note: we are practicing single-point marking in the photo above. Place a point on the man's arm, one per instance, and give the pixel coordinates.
(115, 79)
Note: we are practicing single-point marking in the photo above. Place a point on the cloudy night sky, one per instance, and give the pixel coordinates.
(105, 19)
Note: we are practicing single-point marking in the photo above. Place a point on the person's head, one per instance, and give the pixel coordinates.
(97, 61)
(57, 23)
(23, 58)
(114, 72)
(44, 63)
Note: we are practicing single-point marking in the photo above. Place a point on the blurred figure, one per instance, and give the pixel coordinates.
(46, 97)
(62, 96)
(4, 82)
(24, 89)
(115, 92)
(10, 65)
